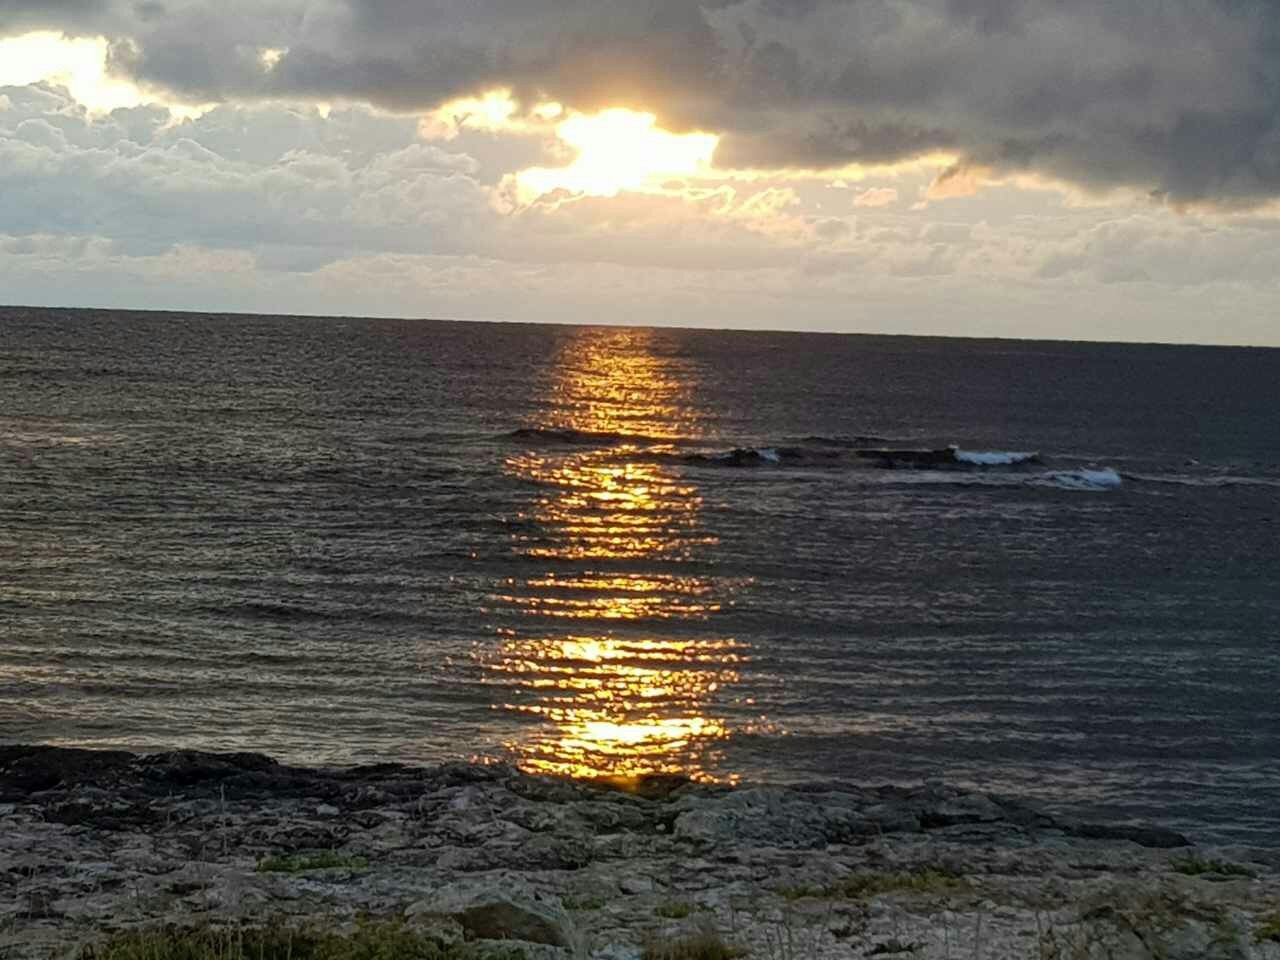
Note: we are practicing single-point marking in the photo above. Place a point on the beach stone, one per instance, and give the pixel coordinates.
(501, 907)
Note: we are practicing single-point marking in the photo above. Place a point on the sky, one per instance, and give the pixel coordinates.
(1080, 169)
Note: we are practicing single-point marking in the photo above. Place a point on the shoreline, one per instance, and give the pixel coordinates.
(93, 842)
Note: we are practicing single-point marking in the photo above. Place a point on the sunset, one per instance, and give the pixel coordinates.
(639, 479)
(551, 161)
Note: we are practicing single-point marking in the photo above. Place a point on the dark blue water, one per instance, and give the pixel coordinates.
(604, 552)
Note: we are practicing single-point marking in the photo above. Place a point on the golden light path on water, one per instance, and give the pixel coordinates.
(613, 649)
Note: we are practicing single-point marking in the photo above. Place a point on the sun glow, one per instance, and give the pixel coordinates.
(80, 65)
(619, 150)
(608, 642)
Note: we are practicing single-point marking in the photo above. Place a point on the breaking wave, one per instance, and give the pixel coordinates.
(984, 467)
(994, 458)
(1087, 479)
(946, 458)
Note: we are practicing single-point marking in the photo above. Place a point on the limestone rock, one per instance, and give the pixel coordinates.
(1154, 837)
(500, 907)
(772, 816)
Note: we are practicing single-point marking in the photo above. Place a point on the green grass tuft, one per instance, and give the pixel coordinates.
(863, 886)
(1269, 931)
(892, 947)
(1195, 866)
(313, 861)
(674, 909)
(800, 892)
(370, 941)
(703, 945)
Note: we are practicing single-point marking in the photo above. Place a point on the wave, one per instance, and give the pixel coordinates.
(1211, 482)
(947, 458)
(1095, 478)
(995, 458)
(816, 452)
(743, 457)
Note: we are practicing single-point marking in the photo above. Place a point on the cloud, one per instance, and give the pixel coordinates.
(298, 191)
(1179, 98)
(146, 183)
(876, 197)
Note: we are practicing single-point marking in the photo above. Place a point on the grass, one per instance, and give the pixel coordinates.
(1269, 930)
(313, 861)
(583, 903)
(704, 944)
(865, 886)
(674, 910)
(892, 947)
(370, 941)
(1196, 866)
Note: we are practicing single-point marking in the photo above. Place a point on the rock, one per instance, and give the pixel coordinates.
(552, 853)
(1196, 940)
(484, 853)
(26, 770)
(1154, 837)
(636, 886)
(772, 816)
(509, 949)
(499, 907)
(973, 808)
(617, 951)
(891, 818)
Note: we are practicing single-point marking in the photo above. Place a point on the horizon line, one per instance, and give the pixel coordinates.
(250, 314)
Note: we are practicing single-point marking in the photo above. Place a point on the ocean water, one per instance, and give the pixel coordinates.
(605, 552)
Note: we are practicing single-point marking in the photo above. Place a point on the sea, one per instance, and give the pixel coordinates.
(1046, 569)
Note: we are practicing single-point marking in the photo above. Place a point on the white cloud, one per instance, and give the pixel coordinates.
(876, 197)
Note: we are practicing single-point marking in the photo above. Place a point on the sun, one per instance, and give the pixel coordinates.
(619, 150)
(614, 151)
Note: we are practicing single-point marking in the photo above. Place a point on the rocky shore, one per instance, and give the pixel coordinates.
(96, 842)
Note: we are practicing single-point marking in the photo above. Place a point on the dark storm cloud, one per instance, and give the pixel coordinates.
(1180, 97)
(17, 16)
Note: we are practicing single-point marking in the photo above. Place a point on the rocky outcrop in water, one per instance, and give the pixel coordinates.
(92, 842)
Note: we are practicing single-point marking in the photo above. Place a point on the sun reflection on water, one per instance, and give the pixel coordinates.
(608, 641)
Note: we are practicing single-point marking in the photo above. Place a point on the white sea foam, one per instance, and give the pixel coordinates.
(1087, 479)
(770, 454)
(993, 458)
